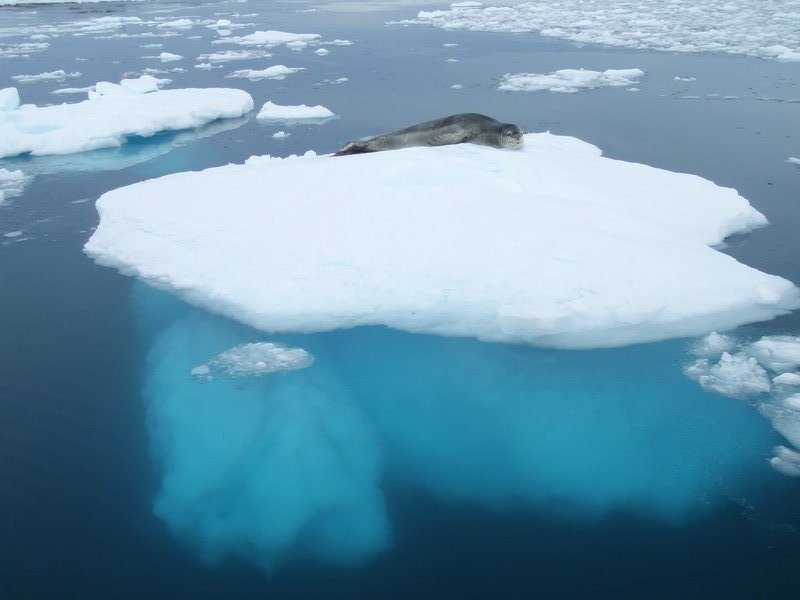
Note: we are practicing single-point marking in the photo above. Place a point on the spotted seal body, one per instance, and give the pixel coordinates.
(455, 129)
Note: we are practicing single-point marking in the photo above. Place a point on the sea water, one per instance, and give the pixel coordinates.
(398, 464)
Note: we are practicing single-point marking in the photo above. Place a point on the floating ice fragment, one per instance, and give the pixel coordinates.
(229, 55)
(167, 57)
(253, 360)
(59, 75)
(793, 160)
(787, 379)
(11, 183)
(274, 72)
(9, 99)
(569, 80)
(713, 345)
(763, 29)
(115, 112)
(177, 24)
(269, 38)
(679, 78)
(786, 461)
(780, 353)
(279, 135)
(322, 51)
(734, 375)
(276, 112)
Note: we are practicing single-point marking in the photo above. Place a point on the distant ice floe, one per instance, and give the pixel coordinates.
(280, 135)
(274, 72)
(551, 245)
(59, 75)
(679, 78)
(11, 183)
(767, 369)
(793, 160)
(113, 112)
(269, 39)
(569, 80)
(229, 55)
(167, 57)
(21, 50)
(765, 29)
(277, 112)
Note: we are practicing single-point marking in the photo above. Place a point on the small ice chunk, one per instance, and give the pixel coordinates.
(787, 379)
(276, 112)
(229, 55)
(269, 38)
(9, 99)
(793, 160)
(569, 81)
(176, 24)
(71, 90)
(786, 461)
(279, 135)
(780, 353)
(11, 183)
(274, 72)
(713, 345)
(167, 57)
(457, 86)
(322, 51)
(58, 75)
(678, 78)
(297, 45)
(205, 66)
(13, 234)
(734, 375)
(253, 360)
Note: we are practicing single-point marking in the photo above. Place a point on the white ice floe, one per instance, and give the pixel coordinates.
(113, 113)
(734, 375)
(253, 360)
(274, 72)
(322, 51)
(551, 245)
(229, 55)
(793, 160)
(176, 24)
(206, 66)
(787, 379)
(568, 80)
(11, 183)
(678, 78)
(9, 99)
(766, 29)
(744, 374)
(167, 57)
(59, 75)
(297, 45)
(777, 353)
(269, 38)
(65, 91)
(21, 50)
(280, 135)
(278, 112)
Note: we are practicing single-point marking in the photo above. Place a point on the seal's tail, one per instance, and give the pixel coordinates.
(353, 148)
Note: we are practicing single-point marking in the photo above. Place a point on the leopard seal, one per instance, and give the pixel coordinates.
(462, 128)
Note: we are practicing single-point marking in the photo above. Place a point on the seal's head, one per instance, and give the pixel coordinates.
(510, 136)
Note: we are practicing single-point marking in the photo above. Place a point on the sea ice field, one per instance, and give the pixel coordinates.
(232, 365)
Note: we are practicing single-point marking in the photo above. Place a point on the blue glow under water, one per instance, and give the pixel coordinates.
(398, 465)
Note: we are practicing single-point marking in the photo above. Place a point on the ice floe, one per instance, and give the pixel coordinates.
(280, 135)
(252, 360)
(278, 112)
(167, 57)
(11, 183)
(274, 72)
(745, 374)
(552, 245)
(568, 80)
(793, 160)
(766, 29)
(269, 39)
(59, 75)
(229, 55)
(113, 113)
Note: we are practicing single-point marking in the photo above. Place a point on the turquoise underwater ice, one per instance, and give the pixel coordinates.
(295, 464)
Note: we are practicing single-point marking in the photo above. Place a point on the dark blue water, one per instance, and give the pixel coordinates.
(651, 486)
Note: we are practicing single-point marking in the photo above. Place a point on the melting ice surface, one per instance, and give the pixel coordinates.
(552, 245)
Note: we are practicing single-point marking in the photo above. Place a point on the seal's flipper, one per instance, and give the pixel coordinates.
(353, 148)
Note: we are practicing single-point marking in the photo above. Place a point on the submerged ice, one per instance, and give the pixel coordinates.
(296, 464)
